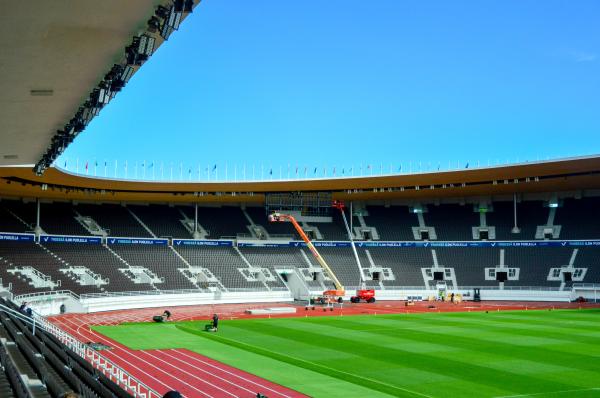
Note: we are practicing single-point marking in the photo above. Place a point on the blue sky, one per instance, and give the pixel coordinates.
(343, 83)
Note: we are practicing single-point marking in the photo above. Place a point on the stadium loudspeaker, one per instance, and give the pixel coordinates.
(158, 318)
(438, 276)
(501, 276)
(376, 276)
(567, 276)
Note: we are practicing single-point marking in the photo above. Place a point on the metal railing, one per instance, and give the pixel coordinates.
(29, 296)
(532, 288)
(586, 286)
(110, 369)
(141, 293)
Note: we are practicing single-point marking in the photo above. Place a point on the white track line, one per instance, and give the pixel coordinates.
(142, 360)
(67, 328)
(117, 319)
(231, 373)
(196, 377)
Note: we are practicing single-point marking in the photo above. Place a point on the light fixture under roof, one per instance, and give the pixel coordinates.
(41, 93)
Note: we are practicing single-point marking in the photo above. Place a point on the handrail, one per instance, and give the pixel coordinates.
(46, 293)
(111, 370)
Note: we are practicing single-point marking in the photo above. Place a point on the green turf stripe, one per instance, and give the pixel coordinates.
(427, 362)
(348, 377)
(466, 339)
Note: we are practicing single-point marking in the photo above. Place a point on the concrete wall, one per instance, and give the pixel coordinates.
(50, 306)
(164, 300)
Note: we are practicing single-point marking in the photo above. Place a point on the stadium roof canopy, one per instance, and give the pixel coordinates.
(53, 54)
(576, 174)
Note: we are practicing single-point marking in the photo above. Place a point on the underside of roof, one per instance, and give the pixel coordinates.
(54, 60)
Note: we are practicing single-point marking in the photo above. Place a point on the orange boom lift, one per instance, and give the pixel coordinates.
(329, 296)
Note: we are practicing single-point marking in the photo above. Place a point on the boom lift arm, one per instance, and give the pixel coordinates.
(340, 206)
(339, 288)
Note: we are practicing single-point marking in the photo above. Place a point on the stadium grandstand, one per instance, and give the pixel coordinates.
(86, 252)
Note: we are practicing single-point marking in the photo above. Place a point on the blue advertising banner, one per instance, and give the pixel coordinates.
(192, 242)
(69, 239)
(137, 241)
(17, 237)
(554, 243)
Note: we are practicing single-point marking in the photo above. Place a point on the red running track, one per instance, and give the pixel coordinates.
(191, 374)
(195, 375)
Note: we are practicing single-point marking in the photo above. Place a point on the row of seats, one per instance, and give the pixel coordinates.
(224, 263)
(39, 365)
(451, 221)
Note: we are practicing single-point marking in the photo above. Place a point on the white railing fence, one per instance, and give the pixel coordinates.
(111, 370)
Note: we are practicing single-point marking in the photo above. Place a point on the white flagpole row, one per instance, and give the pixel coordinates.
(211, 172)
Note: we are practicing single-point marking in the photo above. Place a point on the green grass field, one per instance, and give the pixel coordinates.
(500, 354)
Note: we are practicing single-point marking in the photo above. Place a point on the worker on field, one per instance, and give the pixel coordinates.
(167, 315)
(215, 322)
